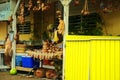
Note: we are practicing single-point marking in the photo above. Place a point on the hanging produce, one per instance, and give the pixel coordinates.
(21, 18)
(38, 5)
(76, 2)
(85, 10)
(61, 26)
(10, 19)
(30, 4)
(8, 46)
(93, 1)
(59, 32)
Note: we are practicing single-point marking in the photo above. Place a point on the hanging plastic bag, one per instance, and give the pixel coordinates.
(11, 35)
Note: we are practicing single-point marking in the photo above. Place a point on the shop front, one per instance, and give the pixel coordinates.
(49, 47)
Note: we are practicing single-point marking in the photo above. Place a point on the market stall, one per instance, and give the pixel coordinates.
(49, 51)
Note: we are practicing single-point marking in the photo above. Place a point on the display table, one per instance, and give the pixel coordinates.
(45, 56)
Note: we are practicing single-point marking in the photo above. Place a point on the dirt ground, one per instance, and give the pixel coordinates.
(4, 75)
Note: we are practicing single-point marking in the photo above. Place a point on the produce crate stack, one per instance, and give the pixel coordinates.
(20, 48)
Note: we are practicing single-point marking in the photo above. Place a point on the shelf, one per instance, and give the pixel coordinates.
(1, 42)
(2, 51)
(23, 68)
(48, 67)
(4, 67)
(22, 54)
(29, 69)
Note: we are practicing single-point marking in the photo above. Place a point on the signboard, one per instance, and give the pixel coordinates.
(5, 11)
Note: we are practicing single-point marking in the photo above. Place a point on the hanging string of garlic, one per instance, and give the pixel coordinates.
(21, 18)
(38, 5)
(30, 4)
(61, 26)
(85, 10)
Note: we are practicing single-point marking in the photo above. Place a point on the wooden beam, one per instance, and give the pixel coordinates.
(14, 29)
(65, 4)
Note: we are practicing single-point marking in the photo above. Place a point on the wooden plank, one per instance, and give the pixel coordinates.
(23, 68)
(4, 67)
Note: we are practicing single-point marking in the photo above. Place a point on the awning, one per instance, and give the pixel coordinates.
(5, 11)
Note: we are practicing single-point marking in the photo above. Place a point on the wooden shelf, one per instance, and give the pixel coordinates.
(22, 54)
(23, 68)
(48, 67)
(4, 67)
(29, 69)
(2, 51)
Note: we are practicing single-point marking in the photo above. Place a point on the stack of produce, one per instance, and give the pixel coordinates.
(20, 48)
(45, 46)
(48, 73)
(48, 51)
(50, 47)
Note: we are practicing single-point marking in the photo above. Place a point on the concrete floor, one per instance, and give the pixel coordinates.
(4, 75)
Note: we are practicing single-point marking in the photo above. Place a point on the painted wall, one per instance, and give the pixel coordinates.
(112, 23)
(3, 30)
(28, 36)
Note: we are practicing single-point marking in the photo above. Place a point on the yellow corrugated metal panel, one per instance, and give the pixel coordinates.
(105, 63)
(103, 47)
(92, 58)
(117, 60)
(76, 37)
(77, 60)
(82, 37)
(97, 68)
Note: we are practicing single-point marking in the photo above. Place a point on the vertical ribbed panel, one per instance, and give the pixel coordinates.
(77, 60)
(92, 58)
(105, 60)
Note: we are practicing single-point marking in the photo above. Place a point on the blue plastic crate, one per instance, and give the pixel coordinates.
(27, 61)
(36, 63)
(18, 60)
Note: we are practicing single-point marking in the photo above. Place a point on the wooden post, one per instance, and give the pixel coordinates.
(14, 8)
(65, 4)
